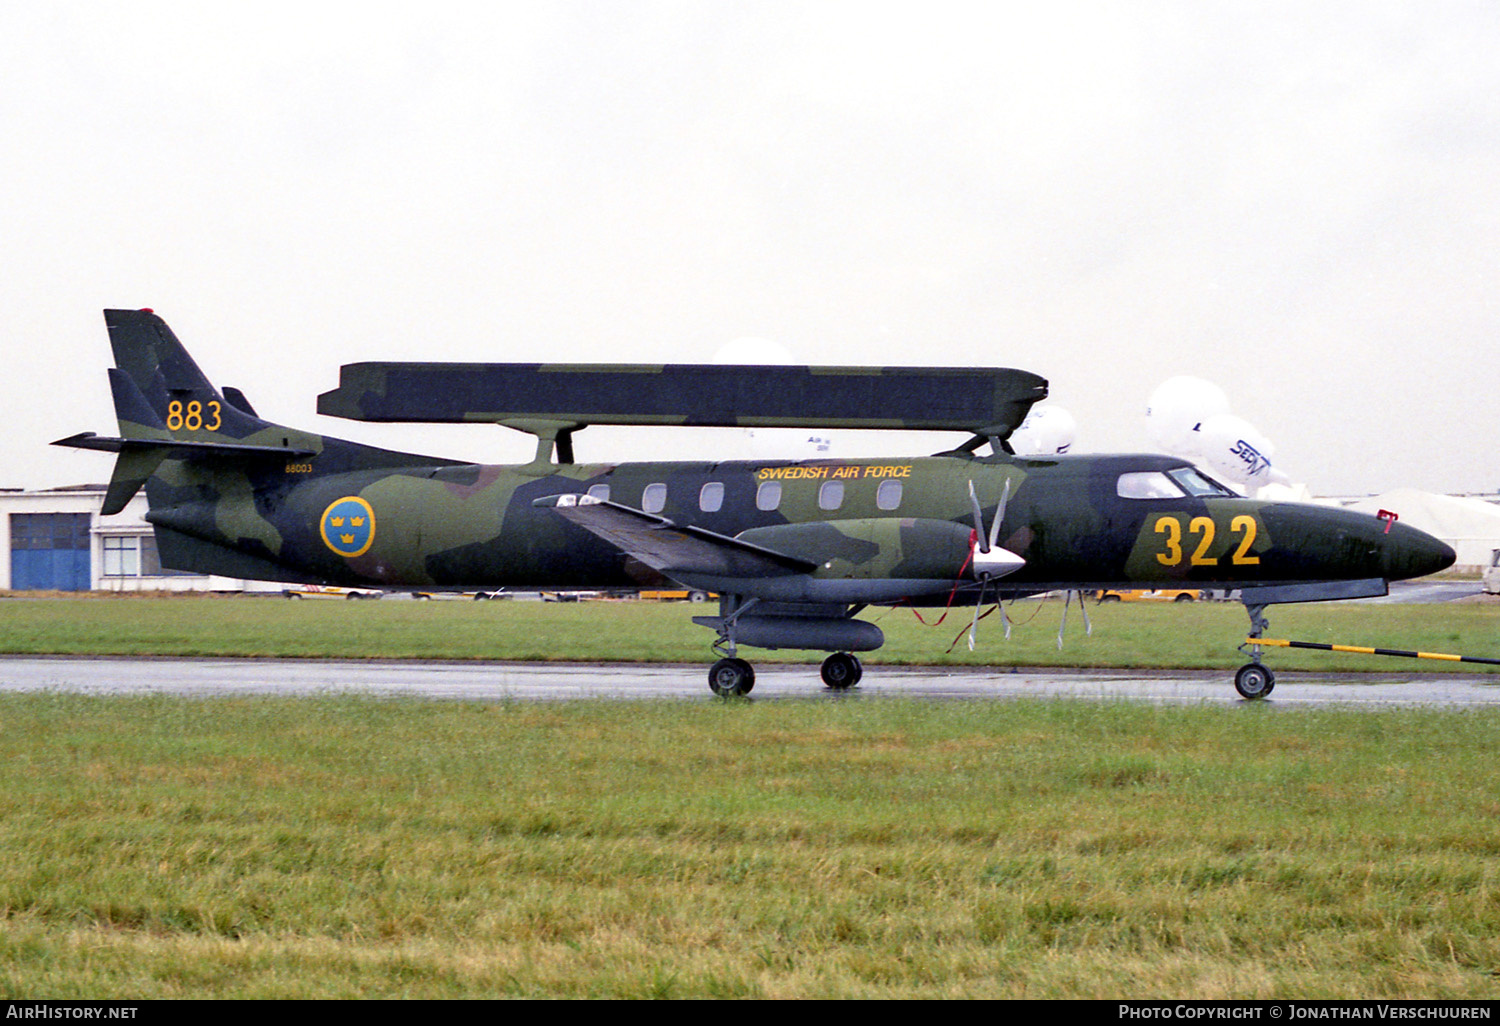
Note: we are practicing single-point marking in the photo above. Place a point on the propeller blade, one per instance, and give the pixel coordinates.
(983, 542)
(974, 626)
(999, 516)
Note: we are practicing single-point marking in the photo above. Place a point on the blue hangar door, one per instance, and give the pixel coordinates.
(49, 551)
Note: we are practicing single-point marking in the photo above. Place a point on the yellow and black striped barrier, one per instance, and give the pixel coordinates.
(1362, 650)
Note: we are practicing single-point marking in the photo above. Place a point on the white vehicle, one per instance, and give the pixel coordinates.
(1492, 575)
(323, 591)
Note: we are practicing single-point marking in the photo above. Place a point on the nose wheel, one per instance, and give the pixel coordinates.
(1254, 681)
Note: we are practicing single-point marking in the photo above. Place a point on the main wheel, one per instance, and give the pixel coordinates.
(1254, 681)
(841, 671)
(731, 677)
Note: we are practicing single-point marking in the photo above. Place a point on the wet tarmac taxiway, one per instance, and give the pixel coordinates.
(476, 681)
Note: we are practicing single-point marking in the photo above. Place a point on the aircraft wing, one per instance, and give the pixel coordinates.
(668, 547)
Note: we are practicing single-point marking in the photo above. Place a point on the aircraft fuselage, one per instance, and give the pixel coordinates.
(474, 526)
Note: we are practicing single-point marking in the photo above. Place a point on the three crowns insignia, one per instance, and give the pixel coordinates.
(348, 534)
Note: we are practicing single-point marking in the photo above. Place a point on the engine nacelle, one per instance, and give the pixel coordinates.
(930, 554)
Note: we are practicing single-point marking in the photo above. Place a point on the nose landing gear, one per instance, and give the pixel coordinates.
(1254, 680)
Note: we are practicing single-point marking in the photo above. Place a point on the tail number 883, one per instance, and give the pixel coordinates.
(191, 416)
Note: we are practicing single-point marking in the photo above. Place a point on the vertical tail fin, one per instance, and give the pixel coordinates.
(155, 375)
(168, 410)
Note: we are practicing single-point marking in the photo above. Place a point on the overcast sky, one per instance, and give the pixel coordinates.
(1297, 201)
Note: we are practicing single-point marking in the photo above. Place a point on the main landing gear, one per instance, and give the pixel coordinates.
(732, 676)
(1254, 680)
(816, 627)
(841, 671)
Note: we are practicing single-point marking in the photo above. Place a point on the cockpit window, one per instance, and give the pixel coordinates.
(1148, 484)
(1198, 483)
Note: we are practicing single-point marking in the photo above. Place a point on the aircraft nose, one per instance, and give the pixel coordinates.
(1407, 552)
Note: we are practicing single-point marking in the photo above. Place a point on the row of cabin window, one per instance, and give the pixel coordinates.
(767, 496)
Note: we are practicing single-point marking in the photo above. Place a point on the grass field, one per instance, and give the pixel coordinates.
(346, 847)
(1202, 635)
(359, 848)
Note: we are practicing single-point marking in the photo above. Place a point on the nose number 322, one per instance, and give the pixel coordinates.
(1200, 531)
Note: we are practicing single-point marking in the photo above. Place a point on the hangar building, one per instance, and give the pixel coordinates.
(55, 540)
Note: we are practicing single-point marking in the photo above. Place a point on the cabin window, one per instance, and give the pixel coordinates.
(654, 498)
(888, 495)
(711, 497)
(1152, 484)
(599, 491)
(768, 495)
(831, 495)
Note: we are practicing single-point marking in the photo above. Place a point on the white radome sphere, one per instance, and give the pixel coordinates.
(1046, 431)
(1177, 407)
(1232, 448)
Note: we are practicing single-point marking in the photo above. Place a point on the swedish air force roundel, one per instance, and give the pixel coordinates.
(348, 526)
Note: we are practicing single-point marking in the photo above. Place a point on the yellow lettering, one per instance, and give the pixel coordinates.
(191, 416)
(1205, 527)
(1173, 530)
(1246, 523)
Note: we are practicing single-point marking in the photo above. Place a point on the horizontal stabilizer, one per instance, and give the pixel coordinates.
(989, 401)
(139, 458)
(180, 450)
(668, 548)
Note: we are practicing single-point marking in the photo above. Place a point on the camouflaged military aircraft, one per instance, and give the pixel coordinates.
(794, 549)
